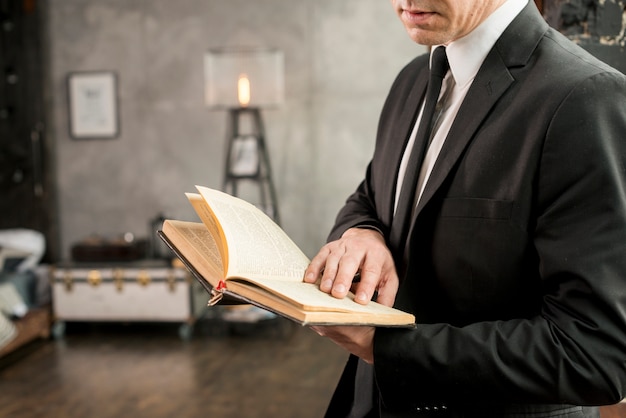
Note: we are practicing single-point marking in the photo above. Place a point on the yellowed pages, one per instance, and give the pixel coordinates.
(257, 247)
(200, 249)
(307, 296)
(327, 311)
(208, 218)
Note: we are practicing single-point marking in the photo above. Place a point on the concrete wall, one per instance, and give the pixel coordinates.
(341, 57)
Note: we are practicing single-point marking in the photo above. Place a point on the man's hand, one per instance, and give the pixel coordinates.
(360, 251)
(356, 340)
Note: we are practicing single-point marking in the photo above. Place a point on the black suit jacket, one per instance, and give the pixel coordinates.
(515, 265)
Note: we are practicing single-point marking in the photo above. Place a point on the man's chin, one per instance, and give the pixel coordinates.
(426, 37)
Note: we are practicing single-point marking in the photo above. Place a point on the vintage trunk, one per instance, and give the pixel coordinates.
(148, 291)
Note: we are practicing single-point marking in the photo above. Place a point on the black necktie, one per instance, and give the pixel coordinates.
(363, 385)
(404, 209)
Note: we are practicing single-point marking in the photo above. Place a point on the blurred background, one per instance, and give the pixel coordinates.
(104, 125)
(107, 119)
(339, 61)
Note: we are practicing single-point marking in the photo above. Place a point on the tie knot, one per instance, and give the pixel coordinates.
(439, 65)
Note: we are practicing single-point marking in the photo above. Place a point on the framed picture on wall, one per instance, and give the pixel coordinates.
(93, 109)
(244, 157)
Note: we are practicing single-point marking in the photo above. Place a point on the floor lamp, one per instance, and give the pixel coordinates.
(243, 81)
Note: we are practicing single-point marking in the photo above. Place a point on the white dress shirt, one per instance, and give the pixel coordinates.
(465, 56)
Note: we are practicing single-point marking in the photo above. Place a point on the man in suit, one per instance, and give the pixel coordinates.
(514, 260)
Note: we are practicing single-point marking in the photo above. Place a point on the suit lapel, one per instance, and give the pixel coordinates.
(483, 94)
(409, 113)
(402, 129)
(490, 84)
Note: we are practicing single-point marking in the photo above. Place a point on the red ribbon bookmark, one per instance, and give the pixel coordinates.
(217, 293)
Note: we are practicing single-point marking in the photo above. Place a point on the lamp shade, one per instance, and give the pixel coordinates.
(244, 77)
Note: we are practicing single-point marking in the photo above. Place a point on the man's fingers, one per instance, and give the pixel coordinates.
(366, 287)
(316, 266)
(358, 340)
(348, 268)
(359, 251)
(331, 268)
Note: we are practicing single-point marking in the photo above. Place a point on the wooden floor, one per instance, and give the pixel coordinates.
(129, 370)
(116, 370)
(613, 411)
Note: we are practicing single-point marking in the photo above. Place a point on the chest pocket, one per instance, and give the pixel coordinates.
(476, 208)
(482, 260)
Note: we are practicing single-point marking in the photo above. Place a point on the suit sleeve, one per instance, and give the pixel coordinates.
(574, 349)
(369, 205)
(359, 211)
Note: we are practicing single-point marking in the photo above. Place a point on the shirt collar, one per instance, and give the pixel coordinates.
(467, 54)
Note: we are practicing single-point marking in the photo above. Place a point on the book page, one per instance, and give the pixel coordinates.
(307, 296)
(198, 245)
(257, 246)
(208, 218)
(306, 303)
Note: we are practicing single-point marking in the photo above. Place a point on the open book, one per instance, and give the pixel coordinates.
(239, 253)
